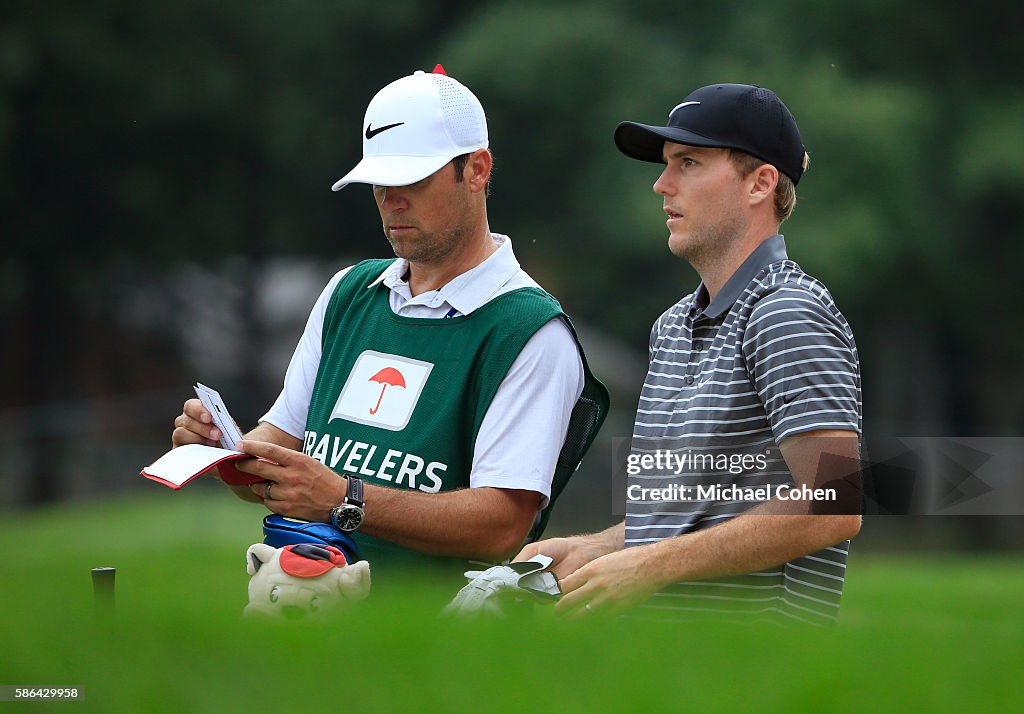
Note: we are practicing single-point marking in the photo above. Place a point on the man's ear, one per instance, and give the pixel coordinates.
(478, 170)
(762, 182)
(258, 555)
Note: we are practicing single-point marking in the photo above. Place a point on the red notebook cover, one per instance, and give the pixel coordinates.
(179, 466)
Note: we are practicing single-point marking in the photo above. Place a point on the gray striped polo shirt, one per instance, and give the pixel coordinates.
(771, 356)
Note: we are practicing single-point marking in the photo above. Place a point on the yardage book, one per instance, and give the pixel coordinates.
(179, 466)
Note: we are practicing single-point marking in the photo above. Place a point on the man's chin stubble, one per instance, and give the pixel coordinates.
(425, 249)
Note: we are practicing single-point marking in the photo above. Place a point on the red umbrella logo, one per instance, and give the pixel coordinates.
(387, 377)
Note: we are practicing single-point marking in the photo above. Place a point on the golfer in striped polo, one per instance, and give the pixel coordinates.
(743, 483)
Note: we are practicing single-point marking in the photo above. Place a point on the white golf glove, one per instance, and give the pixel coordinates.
(490, 591)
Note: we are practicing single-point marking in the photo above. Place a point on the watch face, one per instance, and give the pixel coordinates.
(349, 517)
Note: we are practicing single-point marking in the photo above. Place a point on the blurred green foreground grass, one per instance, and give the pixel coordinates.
(916, 634)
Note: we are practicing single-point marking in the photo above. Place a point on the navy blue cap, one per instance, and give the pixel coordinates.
(725, 116)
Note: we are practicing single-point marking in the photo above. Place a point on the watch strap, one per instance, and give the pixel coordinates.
(354, 493)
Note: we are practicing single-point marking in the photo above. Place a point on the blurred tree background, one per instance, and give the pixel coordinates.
(165, 174)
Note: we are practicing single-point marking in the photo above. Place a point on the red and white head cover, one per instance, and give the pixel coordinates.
(306, 560)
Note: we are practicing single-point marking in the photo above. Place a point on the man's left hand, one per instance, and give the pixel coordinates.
(609, 584)
(300, 486)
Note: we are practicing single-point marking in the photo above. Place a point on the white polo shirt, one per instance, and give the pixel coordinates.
(524, 428)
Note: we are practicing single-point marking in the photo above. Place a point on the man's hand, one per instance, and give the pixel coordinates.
(300, 486)
(570, 554)
(610, 584)
(194, 426)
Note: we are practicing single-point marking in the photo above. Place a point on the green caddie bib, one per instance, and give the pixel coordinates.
(398, 401)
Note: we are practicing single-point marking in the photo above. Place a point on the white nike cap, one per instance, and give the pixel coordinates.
(414, 126)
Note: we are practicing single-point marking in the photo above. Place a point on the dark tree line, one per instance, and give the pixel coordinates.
(135, 138)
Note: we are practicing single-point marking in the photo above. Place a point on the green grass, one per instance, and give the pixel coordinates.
(935, 634)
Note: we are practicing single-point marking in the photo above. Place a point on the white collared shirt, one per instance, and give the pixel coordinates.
(524, 428)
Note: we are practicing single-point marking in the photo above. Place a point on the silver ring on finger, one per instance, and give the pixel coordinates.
(266, 491)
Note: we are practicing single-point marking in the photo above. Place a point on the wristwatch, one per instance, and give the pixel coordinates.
(348, 516)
